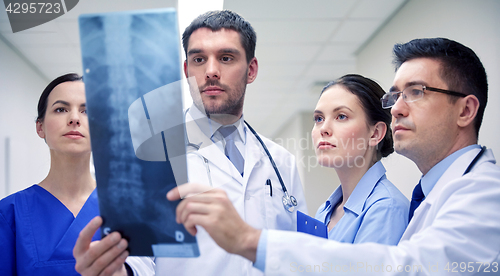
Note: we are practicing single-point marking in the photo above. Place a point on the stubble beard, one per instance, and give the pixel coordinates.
(233, 105)
(230, 106)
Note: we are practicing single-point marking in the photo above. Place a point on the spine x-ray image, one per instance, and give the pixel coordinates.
(132, 75)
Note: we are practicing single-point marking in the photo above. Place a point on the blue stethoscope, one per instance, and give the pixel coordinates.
(289, 201)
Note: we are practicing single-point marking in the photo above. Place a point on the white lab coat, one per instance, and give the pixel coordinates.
(141, 266)
(454, 231)
(249, 195)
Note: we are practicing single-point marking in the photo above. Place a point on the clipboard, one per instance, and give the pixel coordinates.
(310, 225)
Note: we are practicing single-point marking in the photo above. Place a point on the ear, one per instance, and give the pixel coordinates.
(39, 130)
(468, 110)
(378, 133)
(253, 67)
(185, 68)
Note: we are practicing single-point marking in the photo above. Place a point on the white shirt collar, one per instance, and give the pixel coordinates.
(209, 127)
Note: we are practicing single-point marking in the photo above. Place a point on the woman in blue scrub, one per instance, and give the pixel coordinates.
(351, 134)
(39, 225)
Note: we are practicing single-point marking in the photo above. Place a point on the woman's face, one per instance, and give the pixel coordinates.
(65, 126)
(341, 135)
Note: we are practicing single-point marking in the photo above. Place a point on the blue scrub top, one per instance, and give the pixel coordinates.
(38, 233)
(376, 211)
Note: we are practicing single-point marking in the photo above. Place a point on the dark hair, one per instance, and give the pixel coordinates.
(42, 102)
(461, 69)
(216, 20)
(369, 94)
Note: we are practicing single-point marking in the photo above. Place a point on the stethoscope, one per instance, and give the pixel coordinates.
(289, 201)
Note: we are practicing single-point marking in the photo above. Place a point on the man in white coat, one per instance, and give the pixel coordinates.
(438, 98)
(220, 50)
(220, 62)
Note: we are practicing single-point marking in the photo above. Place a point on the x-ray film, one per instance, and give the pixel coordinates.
(132, 75)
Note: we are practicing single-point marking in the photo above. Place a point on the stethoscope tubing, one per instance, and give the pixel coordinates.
(289, 202)
(270, 157)
(474, 161)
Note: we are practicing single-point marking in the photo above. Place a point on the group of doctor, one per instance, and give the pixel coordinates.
(435, 105)
(437, 102)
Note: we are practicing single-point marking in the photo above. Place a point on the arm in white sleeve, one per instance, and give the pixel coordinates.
(141, 266)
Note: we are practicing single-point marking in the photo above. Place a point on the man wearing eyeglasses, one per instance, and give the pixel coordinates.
(437, 101)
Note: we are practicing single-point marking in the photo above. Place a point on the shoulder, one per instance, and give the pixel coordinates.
(12, 197)
(7, 209)
(484, 177)
(13, 203)
(471, 197)
(485, 174)
(386, 194)
(487, 169)
(9, 202)
(482, 181)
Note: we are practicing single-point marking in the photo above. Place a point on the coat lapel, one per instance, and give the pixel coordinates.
(254, 154)
(220, 166)
(455, 171)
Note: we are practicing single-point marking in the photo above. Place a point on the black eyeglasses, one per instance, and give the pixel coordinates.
(413, 93)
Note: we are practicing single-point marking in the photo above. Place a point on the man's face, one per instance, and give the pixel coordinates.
(424, 130)
(218, 62)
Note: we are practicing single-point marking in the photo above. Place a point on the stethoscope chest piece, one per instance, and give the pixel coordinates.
(289, 202)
